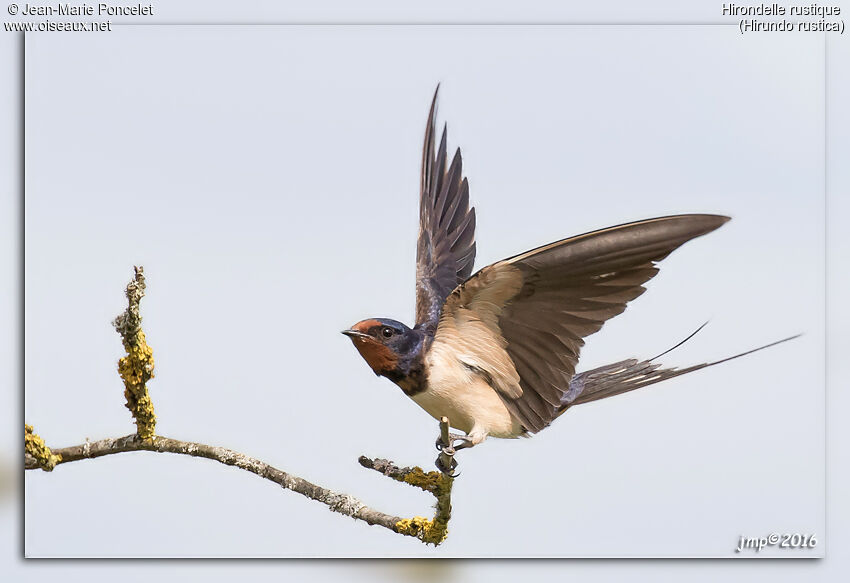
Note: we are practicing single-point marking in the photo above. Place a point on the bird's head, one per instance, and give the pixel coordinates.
(389, 347)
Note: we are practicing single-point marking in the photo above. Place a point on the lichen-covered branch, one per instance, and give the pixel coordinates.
(38, 452)
(433, 531)
(336, 501)
(136, 369)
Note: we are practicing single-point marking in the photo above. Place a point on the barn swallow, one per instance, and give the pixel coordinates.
(496, 351)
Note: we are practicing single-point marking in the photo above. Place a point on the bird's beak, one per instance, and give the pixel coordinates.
(355, 334)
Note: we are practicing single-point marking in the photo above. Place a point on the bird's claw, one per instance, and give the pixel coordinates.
(453, 437)
(439, 443)
(446, 462)
(447, 469)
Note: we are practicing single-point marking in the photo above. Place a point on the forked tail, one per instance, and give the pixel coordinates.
(628, 375)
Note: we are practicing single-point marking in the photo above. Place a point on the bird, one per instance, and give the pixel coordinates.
(495, 351)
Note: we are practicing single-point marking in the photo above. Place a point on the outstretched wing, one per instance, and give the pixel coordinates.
(445, 250)
(522, 321)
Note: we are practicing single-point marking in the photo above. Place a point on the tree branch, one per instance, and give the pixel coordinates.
(137, 368)
(342, 503)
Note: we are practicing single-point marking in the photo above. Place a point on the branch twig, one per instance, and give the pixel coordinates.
(437, 483)
(444, 460)
(136, 369)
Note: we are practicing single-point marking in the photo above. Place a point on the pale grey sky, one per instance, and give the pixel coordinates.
(266, 177)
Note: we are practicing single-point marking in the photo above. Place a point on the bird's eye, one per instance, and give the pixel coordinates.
(387, 332)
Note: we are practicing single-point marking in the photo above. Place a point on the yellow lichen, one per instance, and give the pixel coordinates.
(428, 531)
(35, 446)
(431, 482)
(136, 369)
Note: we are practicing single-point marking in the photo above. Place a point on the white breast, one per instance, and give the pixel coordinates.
(455, 391)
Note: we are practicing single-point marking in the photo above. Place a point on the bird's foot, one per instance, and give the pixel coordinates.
(464, 440)
(446, 462)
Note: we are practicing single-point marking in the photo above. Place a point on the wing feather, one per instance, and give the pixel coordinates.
(529, 314)
(445, 250)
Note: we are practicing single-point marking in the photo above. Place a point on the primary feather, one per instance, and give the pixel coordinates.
(445, 250)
